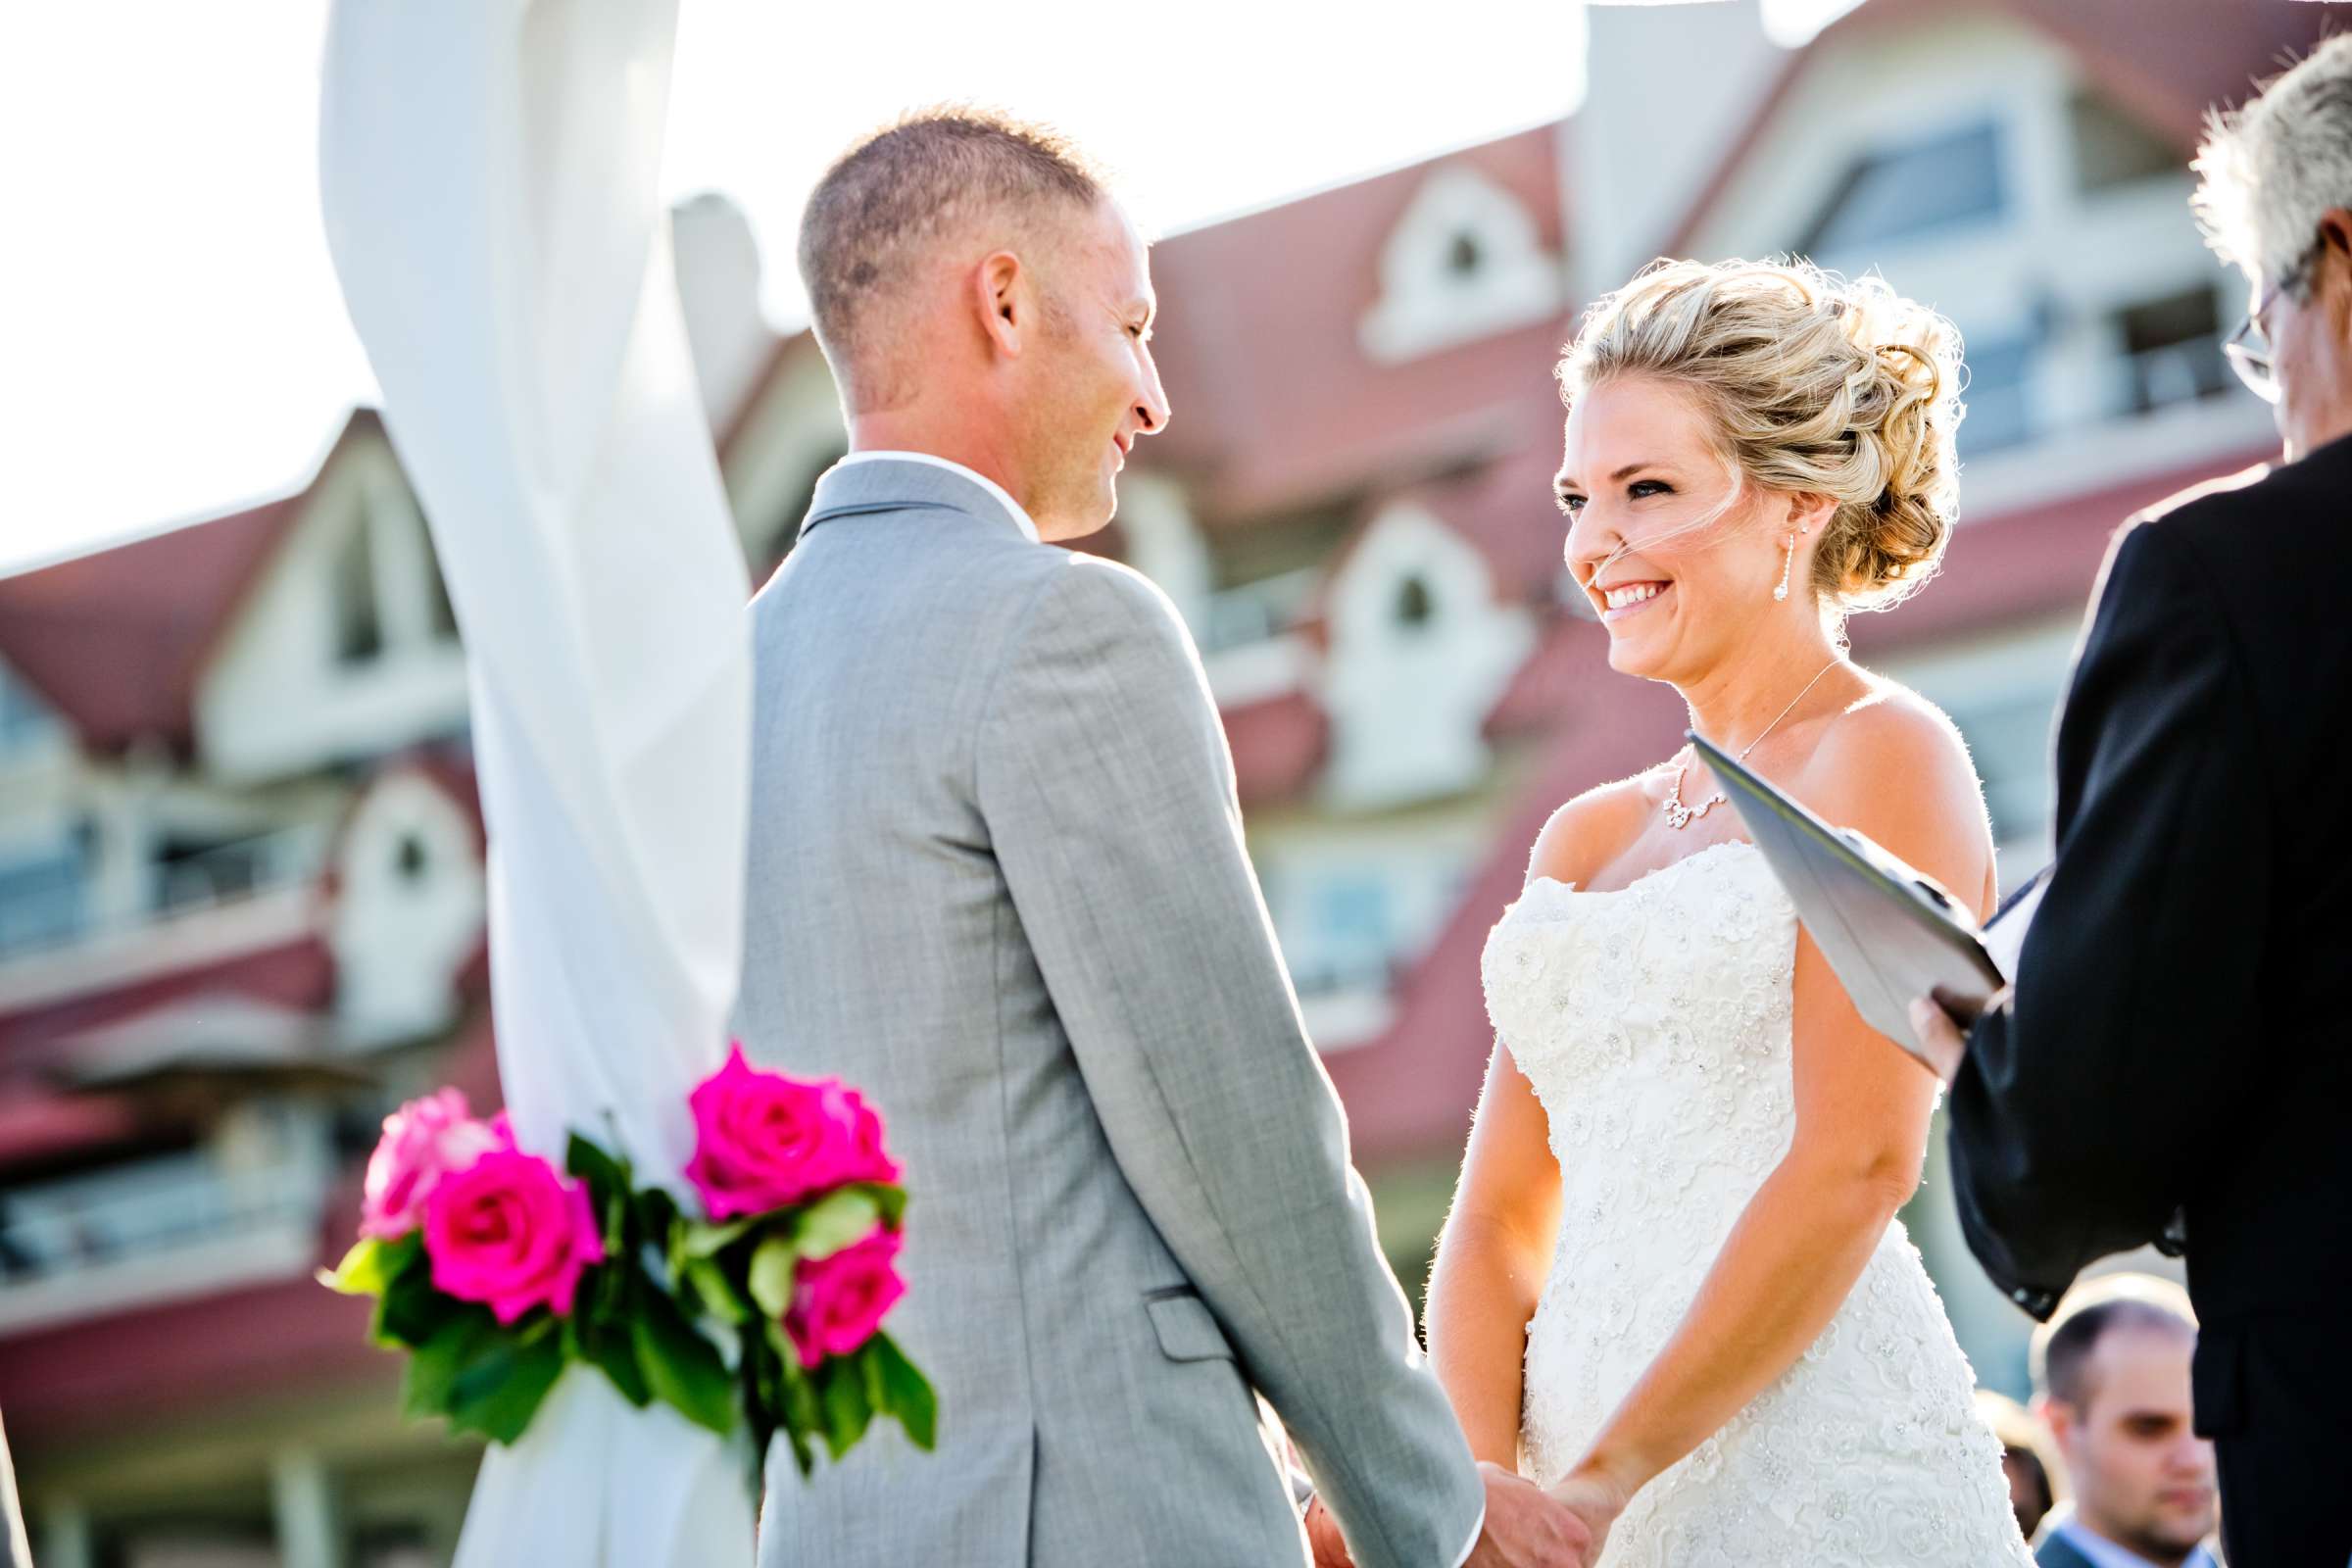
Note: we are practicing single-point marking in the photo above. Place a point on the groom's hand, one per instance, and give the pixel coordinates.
(1527, 1529)
(1323, 1535)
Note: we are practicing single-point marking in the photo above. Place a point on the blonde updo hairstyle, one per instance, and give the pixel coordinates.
(1813, 384)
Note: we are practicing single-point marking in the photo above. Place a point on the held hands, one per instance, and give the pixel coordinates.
(1525, 1527)
(1595, 1501)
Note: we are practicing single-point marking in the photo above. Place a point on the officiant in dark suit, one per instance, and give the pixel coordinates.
(2174, 1056)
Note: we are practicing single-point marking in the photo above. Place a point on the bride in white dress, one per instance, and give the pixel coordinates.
(1672, 1287)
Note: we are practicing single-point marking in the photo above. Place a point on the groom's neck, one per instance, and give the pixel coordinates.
(957, 441)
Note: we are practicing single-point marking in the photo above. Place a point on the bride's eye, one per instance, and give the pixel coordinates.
(1568, 503)
(1648, 487)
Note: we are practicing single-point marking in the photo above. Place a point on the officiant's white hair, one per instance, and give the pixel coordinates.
(896, 191)
(2271, 167)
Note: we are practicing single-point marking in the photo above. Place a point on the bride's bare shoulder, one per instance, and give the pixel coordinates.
(1589, 832)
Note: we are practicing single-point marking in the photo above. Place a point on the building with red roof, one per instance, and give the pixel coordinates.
(241, 884)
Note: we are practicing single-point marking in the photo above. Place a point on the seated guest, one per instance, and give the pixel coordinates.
(2170, 1063)
(2026, 1458)
(2111, 1377)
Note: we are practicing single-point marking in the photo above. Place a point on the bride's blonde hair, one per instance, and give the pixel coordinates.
(1813, 384)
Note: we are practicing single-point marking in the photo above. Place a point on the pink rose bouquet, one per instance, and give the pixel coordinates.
(495, 1270)
(799, 1253)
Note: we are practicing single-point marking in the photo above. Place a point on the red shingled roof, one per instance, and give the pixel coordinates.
(116, 640)
(1275, 402)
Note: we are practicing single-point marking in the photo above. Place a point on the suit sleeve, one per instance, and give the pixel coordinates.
(1109, 792)
(2078, 1110)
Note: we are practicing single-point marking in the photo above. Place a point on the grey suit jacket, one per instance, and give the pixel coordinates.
(998, 881)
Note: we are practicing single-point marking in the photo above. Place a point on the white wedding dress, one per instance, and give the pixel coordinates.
(1653, 1022)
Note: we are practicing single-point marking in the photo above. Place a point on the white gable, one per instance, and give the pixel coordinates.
(1420, 653)
(1464, 262)
(344, 649)
(1971, 162)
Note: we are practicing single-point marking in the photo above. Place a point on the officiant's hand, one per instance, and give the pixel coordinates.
(1940, 1036)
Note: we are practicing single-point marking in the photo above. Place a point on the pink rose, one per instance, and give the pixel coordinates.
(509, 1232)
(868, 1161)
(423, 1140)
(839, 1302)
(764, 1141)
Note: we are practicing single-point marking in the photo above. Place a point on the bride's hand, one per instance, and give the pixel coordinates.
(1596, 1499)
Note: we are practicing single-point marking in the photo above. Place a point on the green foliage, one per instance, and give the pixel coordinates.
(681, 1311)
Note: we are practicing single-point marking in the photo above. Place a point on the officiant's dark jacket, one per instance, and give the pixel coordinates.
(2180, 1040)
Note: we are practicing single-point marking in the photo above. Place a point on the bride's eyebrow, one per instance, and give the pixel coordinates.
(1564, 482)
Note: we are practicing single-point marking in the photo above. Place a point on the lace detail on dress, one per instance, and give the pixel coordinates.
(1653, 1023)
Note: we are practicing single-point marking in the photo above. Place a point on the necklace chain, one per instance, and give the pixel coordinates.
(1678, 816)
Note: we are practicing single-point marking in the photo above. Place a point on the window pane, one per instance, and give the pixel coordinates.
(1897, 192)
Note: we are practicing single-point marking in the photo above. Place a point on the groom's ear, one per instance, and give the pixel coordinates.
(1007, 303)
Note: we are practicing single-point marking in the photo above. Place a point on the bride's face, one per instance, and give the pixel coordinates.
(1663, 537)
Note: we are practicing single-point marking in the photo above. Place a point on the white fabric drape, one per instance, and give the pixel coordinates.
(489, 171)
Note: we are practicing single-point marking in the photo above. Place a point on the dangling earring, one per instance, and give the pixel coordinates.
(1787, 563)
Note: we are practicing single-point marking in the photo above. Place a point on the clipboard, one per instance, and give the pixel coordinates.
(1886, 928)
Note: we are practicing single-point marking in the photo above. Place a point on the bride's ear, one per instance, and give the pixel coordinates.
(1810, 514)
(1006, 302)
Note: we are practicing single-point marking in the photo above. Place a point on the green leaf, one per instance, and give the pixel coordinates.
(371, 1265)
(837, 1221)
(501, 1388)
(712, 1290)
(435, 1365)
(608, 1347)
(607, 1178)
(771, 1276)
(705, 1240)
(847, 1413)
(906, 1394)
(893, 1201)
(682, 1368)
(803, 1413)
(412, 1311)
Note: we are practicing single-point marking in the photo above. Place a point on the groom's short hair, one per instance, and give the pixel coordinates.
(906, 185)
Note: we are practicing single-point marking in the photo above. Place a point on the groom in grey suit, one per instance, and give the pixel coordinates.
(998, 881)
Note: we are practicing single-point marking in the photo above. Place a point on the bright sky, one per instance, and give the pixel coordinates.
(171, 341)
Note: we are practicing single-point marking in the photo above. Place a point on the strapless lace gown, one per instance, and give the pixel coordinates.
(1653, 1022)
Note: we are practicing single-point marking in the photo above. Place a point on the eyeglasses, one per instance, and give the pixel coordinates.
(2248, 349)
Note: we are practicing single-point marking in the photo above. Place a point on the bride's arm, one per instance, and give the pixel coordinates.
(1493, 1256)
(1862, 1110)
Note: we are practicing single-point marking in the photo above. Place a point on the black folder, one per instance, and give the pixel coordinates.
(1890, 932)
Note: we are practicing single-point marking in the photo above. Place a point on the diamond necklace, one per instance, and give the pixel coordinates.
(1678, 816)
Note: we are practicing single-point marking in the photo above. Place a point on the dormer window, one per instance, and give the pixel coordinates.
(358, 621)
(1895, 193)
(1465, 260)
(1413, 604)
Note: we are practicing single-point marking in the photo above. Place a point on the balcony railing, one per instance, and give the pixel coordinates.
(175, 1225)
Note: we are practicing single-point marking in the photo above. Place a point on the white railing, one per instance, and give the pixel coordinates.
(164, 1227)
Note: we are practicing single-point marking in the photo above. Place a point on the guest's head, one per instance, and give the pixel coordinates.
(1737, 425)
(981, 296)
(2276, 201)
(2028, 1461)
(2110, 1370)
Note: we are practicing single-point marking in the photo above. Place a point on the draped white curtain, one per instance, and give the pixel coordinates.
(489, 171)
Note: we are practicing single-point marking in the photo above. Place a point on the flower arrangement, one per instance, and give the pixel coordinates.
(495, 1270)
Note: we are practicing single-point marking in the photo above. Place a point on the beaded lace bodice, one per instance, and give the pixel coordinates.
(1653, 1023)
